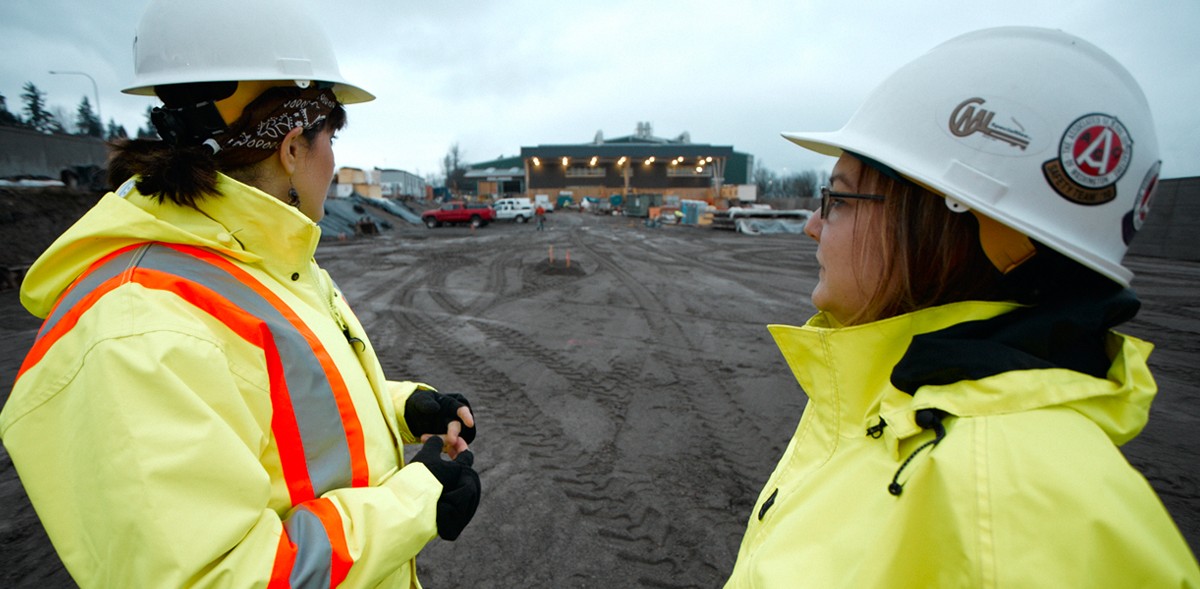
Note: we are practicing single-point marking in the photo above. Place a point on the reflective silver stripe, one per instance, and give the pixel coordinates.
(314, 553)
(317, 415)
(318, 419)
(84, 287)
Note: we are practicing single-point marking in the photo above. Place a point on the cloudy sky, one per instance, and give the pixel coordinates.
(493, 76)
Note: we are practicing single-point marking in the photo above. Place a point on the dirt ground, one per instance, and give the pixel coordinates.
(630, 405)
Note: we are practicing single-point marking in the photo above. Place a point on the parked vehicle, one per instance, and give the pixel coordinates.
(513, 209)
(518, 200)
(477, 215)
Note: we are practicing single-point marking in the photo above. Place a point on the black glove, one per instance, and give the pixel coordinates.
(460, 487)
(430, 412)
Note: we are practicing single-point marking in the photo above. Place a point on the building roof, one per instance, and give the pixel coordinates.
(500, 162)
(496, 172)
(609, 150)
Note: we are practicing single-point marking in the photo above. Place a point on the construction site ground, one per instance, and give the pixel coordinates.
(630, 405)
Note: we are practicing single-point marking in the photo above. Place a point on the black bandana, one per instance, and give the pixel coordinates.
(308, 110)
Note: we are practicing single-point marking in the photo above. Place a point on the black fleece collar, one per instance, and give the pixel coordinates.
(1060, 334)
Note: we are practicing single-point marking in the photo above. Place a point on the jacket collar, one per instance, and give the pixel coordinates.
(243, 223)
(846, 370)
(847, 374)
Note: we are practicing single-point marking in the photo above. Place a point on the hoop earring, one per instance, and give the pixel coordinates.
(293, 196)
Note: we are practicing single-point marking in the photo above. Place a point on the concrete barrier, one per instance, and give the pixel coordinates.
(25, 152)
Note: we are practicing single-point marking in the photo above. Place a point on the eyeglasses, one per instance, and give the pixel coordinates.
(828, 195)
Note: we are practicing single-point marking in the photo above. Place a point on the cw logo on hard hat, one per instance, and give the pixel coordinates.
(967, 120)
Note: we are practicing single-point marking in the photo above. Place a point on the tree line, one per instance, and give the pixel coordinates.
(35, 113)
(772, 185)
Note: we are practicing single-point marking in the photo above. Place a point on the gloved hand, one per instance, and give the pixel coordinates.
(460, 487)
(432, 413)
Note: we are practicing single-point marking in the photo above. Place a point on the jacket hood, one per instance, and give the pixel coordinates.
(857, 372)
(238, 220)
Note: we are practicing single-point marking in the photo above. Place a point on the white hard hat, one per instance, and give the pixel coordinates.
(185, 41)
(1034, 128)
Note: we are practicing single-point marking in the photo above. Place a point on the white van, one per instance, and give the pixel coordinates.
(513, 209)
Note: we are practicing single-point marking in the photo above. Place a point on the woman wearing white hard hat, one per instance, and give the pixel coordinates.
(967, 395)
(201, 407)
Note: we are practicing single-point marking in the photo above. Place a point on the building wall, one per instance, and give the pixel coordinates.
(401, 184)
(552, 176)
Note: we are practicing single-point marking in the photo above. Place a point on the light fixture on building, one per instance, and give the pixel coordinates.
(536, 161)
(593, 162)
(708, 159)
(621, 161)
(699, 169)
(566, 161)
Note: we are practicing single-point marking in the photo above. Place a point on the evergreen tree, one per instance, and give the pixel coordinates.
(148, 131)
(7, 118)
(115, 131)
(86, 121)
(55, 124)
(35, 109)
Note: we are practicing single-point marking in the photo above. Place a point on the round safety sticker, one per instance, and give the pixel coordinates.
(1093, 154)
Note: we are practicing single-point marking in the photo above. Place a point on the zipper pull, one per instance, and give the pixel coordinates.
(354, 342)
(762, 511)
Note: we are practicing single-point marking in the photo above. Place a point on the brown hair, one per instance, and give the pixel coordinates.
(185, 174)
(931, 255)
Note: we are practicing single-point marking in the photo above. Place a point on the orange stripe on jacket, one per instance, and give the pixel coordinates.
(354, 435)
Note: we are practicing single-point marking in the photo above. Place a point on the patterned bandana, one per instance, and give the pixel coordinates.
(307, 110)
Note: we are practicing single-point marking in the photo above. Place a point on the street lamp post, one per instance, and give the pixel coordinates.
(95, 90)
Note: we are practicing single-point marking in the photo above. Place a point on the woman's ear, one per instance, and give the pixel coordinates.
(289, 150)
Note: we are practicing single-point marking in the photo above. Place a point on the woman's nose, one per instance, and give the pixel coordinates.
(812, 227)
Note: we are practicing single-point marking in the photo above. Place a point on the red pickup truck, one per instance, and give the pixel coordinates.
(477, 215)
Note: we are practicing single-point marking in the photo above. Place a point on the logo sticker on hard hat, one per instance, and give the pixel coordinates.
(1094, 153)
(969, 118)
(994, 125)
(1133, 220)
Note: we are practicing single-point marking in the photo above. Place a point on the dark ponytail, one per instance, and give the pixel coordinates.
(182, 175)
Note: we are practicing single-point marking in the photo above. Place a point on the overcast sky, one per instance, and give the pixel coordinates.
(494, 76)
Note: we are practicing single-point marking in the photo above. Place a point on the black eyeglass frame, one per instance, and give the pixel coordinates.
(827, 195)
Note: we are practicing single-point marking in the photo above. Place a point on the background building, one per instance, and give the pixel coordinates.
(624, 166)
(401, 184)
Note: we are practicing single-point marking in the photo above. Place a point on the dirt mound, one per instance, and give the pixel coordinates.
(31, 218)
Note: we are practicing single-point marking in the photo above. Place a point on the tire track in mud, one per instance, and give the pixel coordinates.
(760, 269)
(710, 460)
(627, 496)
(610, 501)
(622, 505)
(584, 476)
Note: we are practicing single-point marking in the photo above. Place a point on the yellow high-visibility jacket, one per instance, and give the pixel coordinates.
(202, 408)
(1024, 487)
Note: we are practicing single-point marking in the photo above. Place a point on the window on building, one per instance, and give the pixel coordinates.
(585, 172)
(686, 171)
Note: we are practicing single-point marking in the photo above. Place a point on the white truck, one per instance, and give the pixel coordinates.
(519, 210)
